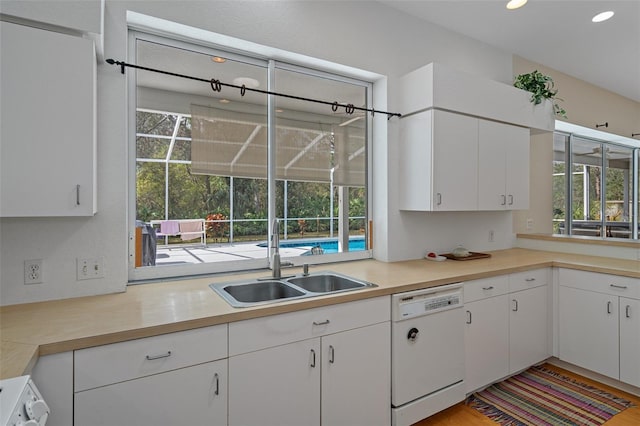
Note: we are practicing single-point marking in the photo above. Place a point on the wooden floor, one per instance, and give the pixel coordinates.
(461, 415)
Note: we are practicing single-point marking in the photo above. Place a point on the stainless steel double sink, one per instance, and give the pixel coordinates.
(242, 294)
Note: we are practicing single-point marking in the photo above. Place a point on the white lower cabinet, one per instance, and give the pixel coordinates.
(507, 325)
(486, 340)
(356, 377)
(340, 377)
(170, 379)
(599, 323)
(528, 328)
(630, 341)
(589, 330)
(276, 386)
(194, 395)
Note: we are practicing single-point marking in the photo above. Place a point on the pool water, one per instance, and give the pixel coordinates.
(328, 246)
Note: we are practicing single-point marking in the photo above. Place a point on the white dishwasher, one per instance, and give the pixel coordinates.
(427, 352)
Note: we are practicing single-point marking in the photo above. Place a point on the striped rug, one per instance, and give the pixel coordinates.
(541, 397)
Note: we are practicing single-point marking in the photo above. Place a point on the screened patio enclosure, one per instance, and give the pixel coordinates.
(204, 156)
(597, 183)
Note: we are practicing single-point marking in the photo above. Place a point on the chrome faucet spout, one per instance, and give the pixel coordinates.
(275, 246)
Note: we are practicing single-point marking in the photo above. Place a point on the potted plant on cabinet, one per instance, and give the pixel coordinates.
(541, 87)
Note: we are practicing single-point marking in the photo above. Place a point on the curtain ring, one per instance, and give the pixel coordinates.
(349, 109)
(334, 107)
(242, 90)
(216, 86)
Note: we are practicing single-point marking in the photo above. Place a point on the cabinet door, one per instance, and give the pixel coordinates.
(503, 166)
(194, 395)
(517, 167)
(630, 341)
(356, 377)
(588, 330)
(455, 162)
(278, 386)
(491, 166)
(486, 340)
(48, 123)
(528, 327)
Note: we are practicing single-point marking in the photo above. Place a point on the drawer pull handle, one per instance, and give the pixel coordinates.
(488, 288)
(325, 322)
(515, 307)
(622, 287)
(510, 199)
(217, 379)
(77, 195)
(627, 311)
(439, 198)
(468, 317)
(504, 200)
(331, 354)
(313, 358)
(152, 357)
(608, 307)
(529, 279)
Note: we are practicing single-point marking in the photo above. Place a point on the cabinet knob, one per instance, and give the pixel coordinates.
(413, 334)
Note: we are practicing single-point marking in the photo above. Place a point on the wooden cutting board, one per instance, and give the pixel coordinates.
(473, 256)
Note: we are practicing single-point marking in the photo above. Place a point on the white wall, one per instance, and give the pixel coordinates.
(360, 34)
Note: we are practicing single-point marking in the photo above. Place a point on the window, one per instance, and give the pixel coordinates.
(213, 169)
(593, 187)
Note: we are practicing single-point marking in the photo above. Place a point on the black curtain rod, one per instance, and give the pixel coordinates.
(216, 86)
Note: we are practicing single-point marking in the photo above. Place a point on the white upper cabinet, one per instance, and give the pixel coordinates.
(465, 142)
(48, 136)
(453, 162)
(503, 166)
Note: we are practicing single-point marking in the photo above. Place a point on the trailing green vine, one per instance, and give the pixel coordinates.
(541, 87)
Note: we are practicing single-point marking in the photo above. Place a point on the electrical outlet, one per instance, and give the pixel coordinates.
(33, 271)
(529, 224)
(491, 235)
(90, 268)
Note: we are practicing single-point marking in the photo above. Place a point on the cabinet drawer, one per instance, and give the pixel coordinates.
(485, 287)
(528, 279)
(117, 362)
(260, 333)
(602, 283)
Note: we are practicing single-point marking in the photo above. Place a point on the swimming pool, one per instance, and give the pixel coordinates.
(327, 245)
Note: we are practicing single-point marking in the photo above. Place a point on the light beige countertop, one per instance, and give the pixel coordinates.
(144, 310)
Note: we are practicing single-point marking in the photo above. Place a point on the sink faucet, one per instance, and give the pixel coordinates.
(276, 264)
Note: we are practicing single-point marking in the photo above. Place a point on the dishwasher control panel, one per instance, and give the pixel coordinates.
(428, 301)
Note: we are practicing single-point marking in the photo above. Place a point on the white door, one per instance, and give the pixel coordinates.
(455, 161)
(278, 386)
(486, 341)
(528, 342)
(588, 330)
(194, 395)
(356, 377)
(630, 341)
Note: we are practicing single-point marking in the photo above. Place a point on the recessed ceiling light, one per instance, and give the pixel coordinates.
(224, 101)
(600, 17)
(515, 4)
(218, 59)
